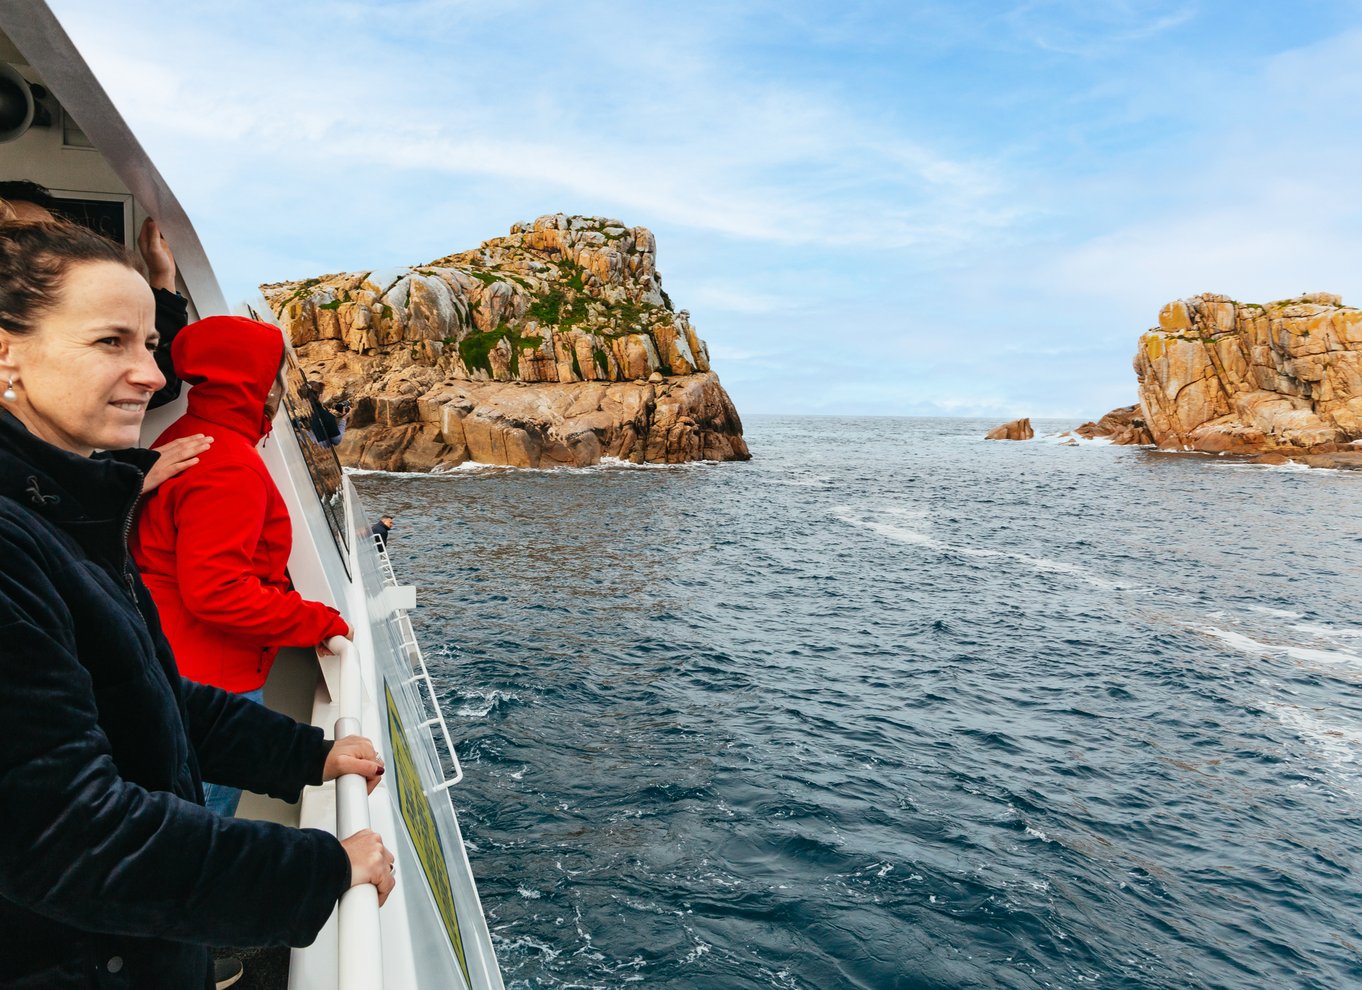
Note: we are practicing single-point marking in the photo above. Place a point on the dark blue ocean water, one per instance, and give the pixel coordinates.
(893, 707)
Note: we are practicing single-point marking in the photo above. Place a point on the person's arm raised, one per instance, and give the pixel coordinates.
(156, 253)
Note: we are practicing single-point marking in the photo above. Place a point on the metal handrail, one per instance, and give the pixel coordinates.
(381, 545)
(417, 660)
(361, 952)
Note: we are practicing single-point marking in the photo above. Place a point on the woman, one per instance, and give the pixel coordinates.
(112, 873)
(23, 201)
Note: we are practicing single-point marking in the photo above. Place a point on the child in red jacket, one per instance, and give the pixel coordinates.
(213, 543)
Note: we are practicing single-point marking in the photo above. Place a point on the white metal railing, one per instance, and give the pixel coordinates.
(361, 951)
(407, 637)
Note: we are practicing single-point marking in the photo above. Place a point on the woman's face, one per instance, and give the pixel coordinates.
(85, 373)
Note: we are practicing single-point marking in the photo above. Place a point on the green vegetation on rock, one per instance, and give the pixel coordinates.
(475, 350)
(303, 289)
(545, 291)
(547, 308)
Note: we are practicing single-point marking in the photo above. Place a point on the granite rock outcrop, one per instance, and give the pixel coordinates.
(1124, 425)
(1222, 376)
(1018, 429)
(554, 345)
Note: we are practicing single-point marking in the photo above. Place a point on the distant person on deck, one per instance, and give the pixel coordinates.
(381, 529)
(328, 427)
(213, 543)
(27, 201)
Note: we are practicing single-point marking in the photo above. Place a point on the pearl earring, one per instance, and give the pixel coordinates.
(9, 394)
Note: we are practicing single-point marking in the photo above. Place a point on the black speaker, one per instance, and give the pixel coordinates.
(16, 104)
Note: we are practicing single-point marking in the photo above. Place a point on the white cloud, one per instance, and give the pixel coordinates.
(698, 144)
(993, 250)
(1264, 203)
(1090, 28)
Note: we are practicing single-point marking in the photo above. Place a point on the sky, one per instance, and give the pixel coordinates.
(869, 208)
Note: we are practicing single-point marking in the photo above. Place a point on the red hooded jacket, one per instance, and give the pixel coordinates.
(213, 542)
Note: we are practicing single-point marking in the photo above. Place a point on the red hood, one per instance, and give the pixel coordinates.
(232, 363)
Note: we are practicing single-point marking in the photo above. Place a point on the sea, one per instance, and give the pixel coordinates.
(892, 706)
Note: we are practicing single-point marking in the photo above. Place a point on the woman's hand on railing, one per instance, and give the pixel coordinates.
(370, 862)
(354, 754)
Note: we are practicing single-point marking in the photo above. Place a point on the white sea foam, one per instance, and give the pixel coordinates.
(899, 534)
(1061, 567)
(1327, 632)
(615, 462)
(467, 467)
(476, 467)
(443, 471)
(700, 949)
(1290, 467)
(915, 537)
(1073, 440)
(481, 703)
(1239, 641)
(1276, 612)
(525, 943)
(1324, 656)
(1338, 744)
(1253, 647)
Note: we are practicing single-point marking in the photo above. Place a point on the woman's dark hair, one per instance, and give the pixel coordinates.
(21, 190)
(34, 261)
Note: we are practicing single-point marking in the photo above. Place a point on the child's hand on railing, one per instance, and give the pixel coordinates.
(323, 650)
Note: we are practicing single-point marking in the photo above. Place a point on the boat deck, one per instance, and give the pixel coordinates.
(263, 969)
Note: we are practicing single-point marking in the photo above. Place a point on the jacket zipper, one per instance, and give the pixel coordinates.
(127, 555)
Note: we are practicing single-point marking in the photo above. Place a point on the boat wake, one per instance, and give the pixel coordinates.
(1331, 660)
(917, 538)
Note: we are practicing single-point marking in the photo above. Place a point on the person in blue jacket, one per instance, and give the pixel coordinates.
(112, 873)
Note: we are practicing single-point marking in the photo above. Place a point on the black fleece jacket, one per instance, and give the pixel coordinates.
(172, 313)
(112, 873)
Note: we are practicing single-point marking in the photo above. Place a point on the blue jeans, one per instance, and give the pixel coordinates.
(218, 797)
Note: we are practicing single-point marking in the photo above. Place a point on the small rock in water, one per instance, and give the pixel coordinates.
(1018, 429)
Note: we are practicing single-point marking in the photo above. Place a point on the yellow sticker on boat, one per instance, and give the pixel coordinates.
(411, 799)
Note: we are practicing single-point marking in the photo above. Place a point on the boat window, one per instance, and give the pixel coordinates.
(103, 216)
(305, 413)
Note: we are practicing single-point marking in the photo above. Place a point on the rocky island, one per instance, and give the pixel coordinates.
(553, 346)
(1277, 381)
